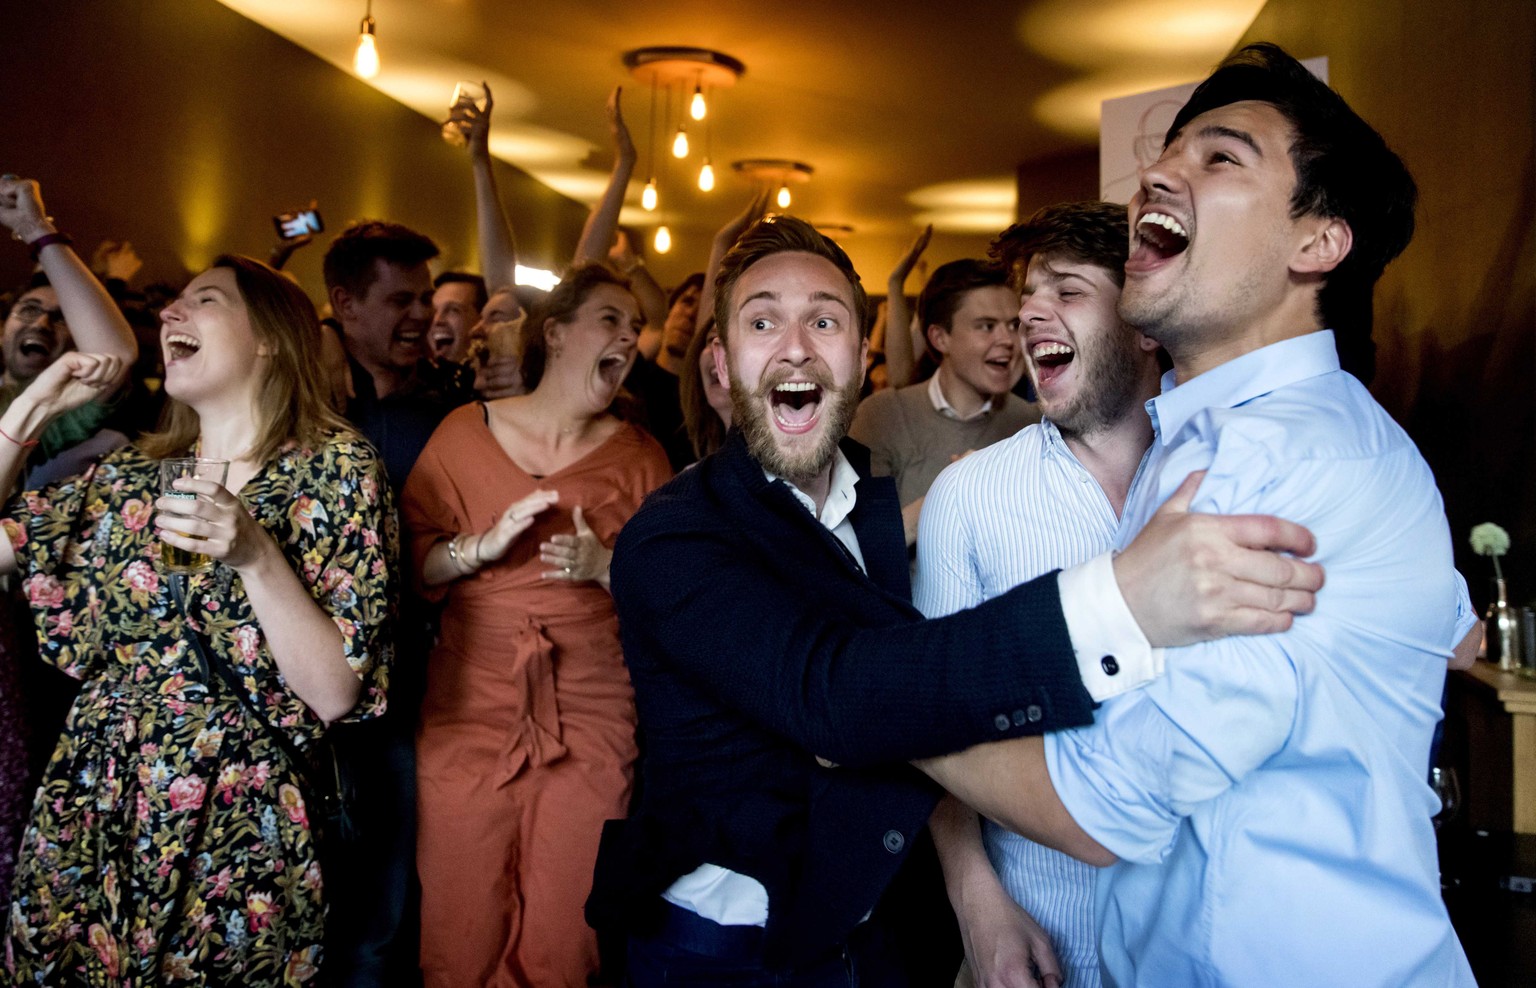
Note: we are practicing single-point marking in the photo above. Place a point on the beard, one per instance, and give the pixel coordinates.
(1107, 388)
(750, 411)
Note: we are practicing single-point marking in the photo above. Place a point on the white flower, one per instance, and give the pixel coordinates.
(1489, 539)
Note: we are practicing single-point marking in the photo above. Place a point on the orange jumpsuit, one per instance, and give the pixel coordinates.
(527, 735)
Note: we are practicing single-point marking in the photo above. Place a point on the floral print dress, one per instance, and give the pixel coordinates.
(169, 843)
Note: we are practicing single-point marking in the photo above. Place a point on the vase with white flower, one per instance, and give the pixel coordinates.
(1502, 626)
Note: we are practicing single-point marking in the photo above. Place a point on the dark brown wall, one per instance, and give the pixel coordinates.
(182, 126)
(1066, 177)
(1453, 89)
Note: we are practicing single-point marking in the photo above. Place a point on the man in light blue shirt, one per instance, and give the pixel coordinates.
(1263, 805)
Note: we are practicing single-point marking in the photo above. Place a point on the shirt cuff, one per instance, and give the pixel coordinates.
(1113, 656)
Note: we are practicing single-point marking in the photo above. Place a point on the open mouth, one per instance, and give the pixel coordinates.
(612, 369)
(1002, 363)
(795, 405)
(179, 346)
(1050, 359)
(1158, 238)
(35, 346)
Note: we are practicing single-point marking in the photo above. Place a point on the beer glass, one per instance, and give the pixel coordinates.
(173, 558)
(456, 127)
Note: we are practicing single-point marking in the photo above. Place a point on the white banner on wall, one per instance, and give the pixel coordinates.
(1131, 130)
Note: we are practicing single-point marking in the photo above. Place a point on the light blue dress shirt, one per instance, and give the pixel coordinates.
(1267, 795)
(998, 518)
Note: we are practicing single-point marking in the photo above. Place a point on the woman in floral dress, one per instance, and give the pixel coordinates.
(170, 842)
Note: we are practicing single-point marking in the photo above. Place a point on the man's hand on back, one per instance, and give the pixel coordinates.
(1191, 577)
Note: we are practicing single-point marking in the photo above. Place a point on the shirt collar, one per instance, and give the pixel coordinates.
(1239, 381)
(944, 408)
(840, 492)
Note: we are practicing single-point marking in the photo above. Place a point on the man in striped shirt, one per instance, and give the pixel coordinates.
(1049, 497)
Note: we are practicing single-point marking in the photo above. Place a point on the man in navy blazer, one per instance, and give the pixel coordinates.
(783, 678)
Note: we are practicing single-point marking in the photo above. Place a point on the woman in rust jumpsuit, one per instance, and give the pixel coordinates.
(526, 743)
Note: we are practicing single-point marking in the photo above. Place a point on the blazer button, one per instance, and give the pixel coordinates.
(1019, 718)
(1034, 713)
(1109, 665)
(1001, 722)
(894, 841)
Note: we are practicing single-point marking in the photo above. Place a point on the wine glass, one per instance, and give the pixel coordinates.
(1445, 784)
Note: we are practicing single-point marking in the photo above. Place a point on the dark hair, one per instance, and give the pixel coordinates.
(291, 402)
(560, 305)
(1344, 170)
(706, 432)
(695, 280)
(1090, 232)
(349, 261)
(947, 287)
(782, 235)
(465, 278)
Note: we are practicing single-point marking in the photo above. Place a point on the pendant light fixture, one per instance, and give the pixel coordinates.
(771, 172)
(366, 59)
(694, 71)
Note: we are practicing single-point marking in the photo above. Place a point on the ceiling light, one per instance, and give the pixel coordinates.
(663, 240)
(771, 172)
(662, 67)
(366, 59)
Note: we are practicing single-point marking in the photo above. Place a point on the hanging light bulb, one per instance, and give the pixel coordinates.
(697, 109)
(706, 177)
(680, 144)
(648, 196)
(663, 240)
(783, 199)
(366, 59)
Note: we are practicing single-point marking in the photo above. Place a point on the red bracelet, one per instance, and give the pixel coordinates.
(24, 445)
(36, 246)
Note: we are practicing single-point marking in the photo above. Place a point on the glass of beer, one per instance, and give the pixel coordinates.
(466, 95)
(174, 558)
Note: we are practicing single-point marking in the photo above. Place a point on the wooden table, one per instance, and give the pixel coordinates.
(1491, 739)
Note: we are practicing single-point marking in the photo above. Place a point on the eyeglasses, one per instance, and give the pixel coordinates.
(33, 311)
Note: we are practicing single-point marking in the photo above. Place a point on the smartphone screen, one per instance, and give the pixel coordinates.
(298, 223)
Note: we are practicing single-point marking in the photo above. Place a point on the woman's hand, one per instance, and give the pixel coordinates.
(909, 259)
(580, 557)
(493, 543)
(756, 209)
(623, 144)
(216, 524)
(21, 209)
(69, 382)
(480, 125)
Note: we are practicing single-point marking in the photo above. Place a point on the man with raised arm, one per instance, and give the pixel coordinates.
(1262, 808)
(782, 675)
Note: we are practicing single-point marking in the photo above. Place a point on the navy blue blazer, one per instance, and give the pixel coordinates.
(755, 644)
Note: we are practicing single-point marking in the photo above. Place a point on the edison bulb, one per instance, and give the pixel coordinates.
(648, 196)
(783, 199)
(680, 144)
(366, 59)
(706, 177)
(663, 240)
(697, 109)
